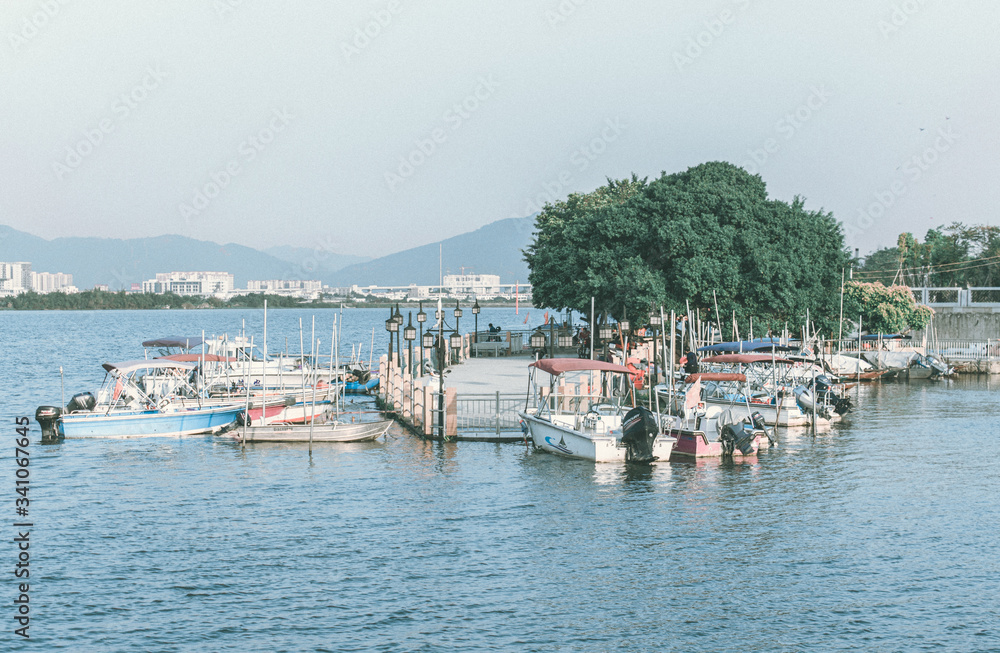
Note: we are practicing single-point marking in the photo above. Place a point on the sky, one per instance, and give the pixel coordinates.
(377, 126)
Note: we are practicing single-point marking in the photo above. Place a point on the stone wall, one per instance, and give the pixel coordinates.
(964, 326)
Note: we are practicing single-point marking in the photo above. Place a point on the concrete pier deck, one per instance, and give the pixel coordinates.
(504, 374)
(482, 397)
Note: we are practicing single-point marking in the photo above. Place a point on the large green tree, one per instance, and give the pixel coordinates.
(632, 244)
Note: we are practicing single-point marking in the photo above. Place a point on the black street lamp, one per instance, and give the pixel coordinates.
(421, 318)
(391, 327)
(552, 338)
(457, 348)
(409, 335)
(604, 334)
(475, 333)
(655, 322)
(398, 317)
(537, 341)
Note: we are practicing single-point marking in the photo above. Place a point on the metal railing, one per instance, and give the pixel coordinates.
(950, 350)
(489, 412)
(980, 296)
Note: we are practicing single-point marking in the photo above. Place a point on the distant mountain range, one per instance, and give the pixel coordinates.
(493, 249)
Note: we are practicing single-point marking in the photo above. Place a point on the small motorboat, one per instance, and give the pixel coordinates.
(122, 408)
(581, 413)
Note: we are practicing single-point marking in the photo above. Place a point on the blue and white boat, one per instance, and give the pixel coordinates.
(125, 406)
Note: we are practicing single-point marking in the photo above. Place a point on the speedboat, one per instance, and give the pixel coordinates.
(124, 406)
(579, 411)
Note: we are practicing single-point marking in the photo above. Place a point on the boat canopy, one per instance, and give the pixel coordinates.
(174, 341)
(715, 376)
(886, 336)
(563, 365)
(748, 346)
(197, 358)
(744, 359)
(128, 367)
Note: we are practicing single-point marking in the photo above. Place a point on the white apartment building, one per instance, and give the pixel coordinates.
(46, 282)
(280, 286)
(15, 278)
(480, 285)
(190, 283)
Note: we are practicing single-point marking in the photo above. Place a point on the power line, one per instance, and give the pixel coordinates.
(973, 263)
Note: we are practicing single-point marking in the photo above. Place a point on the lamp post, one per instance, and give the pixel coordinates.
(604, 335)
(421, 318)
(457, 348)
(537, 341)
(654, 323)
(398, 317)
(440, 357)
(391, 327)
(409, 335)
(552, 338)
(475, 332)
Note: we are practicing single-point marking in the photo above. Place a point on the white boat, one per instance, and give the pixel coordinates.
(333, 431)
(123, 409)
(580, 413)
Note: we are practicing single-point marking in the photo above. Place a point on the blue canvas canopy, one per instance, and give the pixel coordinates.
(174, 341)
(748, 345)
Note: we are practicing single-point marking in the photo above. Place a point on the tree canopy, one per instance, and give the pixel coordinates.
(633, 244)
(957, 255)
(884, 309)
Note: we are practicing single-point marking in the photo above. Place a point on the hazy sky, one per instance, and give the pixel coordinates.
(378, 126)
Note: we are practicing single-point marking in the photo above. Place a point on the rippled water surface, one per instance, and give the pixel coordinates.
(880, 534)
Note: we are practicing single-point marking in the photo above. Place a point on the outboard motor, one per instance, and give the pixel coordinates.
(83, 402)
(639, 429)
(736, 436)
(757, 420)
(46, 417)
(841, 405)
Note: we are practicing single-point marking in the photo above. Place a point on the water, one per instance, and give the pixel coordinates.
(880, 534)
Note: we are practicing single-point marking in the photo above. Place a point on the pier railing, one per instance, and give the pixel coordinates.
(489, 412)
(975, 297)
(948, 350)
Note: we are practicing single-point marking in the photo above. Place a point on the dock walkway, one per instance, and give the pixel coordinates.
(482, 396)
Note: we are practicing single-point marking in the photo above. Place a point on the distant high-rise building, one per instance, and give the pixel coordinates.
(190, 283)
(46, 282)
(15, 278)
(472, 284)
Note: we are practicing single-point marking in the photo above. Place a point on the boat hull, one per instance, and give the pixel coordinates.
(126, 424)
(332, 432)
(695, 444)
(570, 443)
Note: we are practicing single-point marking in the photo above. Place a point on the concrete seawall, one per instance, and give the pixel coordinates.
(978, 325)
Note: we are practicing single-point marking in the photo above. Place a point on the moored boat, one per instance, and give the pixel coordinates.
(122, 408)
(580, 413)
